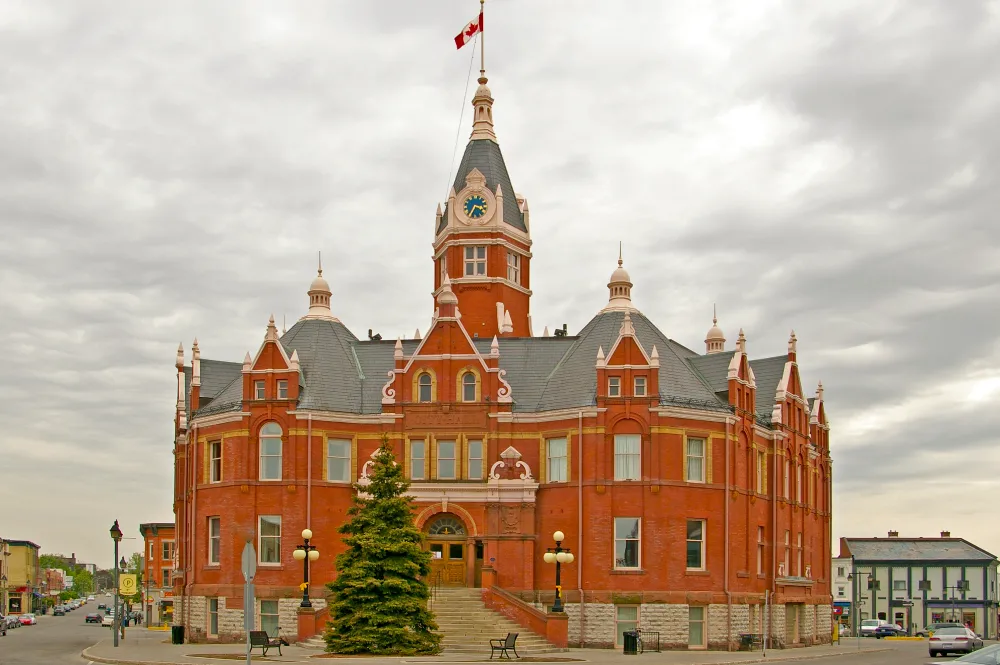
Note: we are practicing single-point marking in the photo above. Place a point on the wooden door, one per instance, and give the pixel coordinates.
(448, 562)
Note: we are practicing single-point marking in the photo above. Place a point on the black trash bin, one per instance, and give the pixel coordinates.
(631, 640)
(177, 634)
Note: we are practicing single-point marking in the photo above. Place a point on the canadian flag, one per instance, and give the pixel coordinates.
(469, 32)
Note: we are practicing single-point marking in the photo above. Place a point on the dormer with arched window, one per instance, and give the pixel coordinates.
(469, 389)
(424, 387)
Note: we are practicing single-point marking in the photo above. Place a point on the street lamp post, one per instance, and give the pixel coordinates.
(305, 553)
(116, 535)
(558, 555)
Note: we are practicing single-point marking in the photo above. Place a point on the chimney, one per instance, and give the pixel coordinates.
(894, 534)
(946, 534)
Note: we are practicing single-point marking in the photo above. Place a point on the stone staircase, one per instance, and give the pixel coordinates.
(314, 642)
(467, 626)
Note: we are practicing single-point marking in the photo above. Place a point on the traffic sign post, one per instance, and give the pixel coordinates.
(249, 568)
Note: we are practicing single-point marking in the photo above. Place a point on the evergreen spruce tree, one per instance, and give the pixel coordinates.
(379, 603)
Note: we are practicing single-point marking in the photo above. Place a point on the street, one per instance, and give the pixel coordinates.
(56, 640)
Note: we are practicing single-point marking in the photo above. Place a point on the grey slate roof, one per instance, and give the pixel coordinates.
(916, 549)
(341, 373)
(767, 372)
(485, 155)
(715, 369)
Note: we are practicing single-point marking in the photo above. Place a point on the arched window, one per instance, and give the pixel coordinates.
(424, 388)
(446, 525)
(468, 387)
(270, 452)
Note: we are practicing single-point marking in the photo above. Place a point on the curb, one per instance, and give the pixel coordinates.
(796, 657)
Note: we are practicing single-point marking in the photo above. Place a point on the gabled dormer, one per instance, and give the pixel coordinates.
(819, 428)
(272, 375)
(741, 380)
(628, 371)
(791, 408)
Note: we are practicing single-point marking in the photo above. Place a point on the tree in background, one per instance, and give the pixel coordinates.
(379, 603)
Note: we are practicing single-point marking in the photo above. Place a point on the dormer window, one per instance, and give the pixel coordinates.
(258, 390)
(282, 389)
(614, 386)
(468, 387)
(424, 388)
(639, 387)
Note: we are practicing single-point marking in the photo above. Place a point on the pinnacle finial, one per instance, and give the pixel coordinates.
(792, 343)
(320, 261)
(819, 391)
(620, 254)
(715, 315)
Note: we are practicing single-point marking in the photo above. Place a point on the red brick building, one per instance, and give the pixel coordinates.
(688, 485)
(159, 561)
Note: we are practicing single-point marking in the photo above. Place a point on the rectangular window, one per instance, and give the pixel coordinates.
(168, 550)
(840, 592)
(760, 550)
(152, 551)
(627, 540)
(514, 267)
(443, 268)
(924, 585)
(258, 390)
(418, 460)
(269, 539)
(696, 544)
(282, 389)
(812, 489)
(840, 571)
(213, 617)
(165, 578)
(899, 585)
(696, 627)
(626, 619)
(269, 617)
(555, 453)
(214, 540)
(627, 460)
(270, 458)
(446, 460)
(475, 460)
(695, 461)
(475, 261)
(798, 483)
(338, 460)
(788, 480)
(761, 472)
(798, 555)
(788, 553)
(614, 386)
(215, 461)
(639, 387)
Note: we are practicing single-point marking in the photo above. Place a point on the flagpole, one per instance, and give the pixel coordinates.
(482, 40)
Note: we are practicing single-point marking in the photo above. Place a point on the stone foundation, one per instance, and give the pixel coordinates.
(231, 618)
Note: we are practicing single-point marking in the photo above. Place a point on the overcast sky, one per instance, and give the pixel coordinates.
(169, 171)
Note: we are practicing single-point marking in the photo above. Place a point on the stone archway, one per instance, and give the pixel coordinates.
(447, 541)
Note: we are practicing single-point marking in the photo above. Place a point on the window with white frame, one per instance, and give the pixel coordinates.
(696, 627)
(627, 542)
(475, 461)
(338, 460)
(614, 386)
(152, 550)
(468, 387)
(213, 617)
(514, 267)
(695, 460)
(258, 390)
(165, 577)
(555, 458)
(168, 550)
(446, 460)
(899, 585)
(760, 550)
(840, 571)
(695, 545)
(214, 541)
(761, 471)
(639, 386)
(475, 261)
(418, 459)
(269, 617)
(282, 389)
(627, 459)
(443, 267)
(425, 388)
(840, 592)
(270, 452)
(214, 461)
(626, 619)
(269, 539)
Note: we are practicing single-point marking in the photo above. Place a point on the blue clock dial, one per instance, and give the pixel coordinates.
(475, 206)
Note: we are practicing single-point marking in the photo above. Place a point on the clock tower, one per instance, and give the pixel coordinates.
(482, 240)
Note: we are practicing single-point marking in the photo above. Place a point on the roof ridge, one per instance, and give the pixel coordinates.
(683, 361)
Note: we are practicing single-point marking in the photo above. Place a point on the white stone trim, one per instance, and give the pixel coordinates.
(545, 416)
(219, 418)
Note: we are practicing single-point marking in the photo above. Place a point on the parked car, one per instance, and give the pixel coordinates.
(952, 639)
(94, 618)
(868, 627)
(3, 626)
(931, 627)
(28, 620)
(12, 621)
(986, 656)
(889, 630)
(108, 620)
(58, 611)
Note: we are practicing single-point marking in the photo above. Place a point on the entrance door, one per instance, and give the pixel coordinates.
(447, 544)
(477, 569)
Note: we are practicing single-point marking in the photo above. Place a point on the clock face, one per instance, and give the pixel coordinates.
(475, 206)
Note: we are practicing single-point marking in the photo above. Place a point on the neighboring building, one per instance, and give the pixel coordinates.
(159, 560)
(54, 583)
(842, 589)
(24, 577)
(918, 581)
(688, 485)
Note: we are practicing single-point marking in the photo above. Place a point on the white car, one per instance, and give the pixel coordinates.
(868, 627)
(108, 620)
(90, 598)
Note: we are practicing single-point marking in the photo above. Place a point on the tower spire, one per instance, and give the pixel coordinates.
(482, 43)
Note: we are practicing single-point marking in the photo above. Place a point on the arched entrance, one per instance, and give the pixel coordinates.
(447, 541)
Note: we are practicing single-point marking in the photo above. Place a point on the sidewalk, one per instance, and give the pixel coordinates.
(152, 647)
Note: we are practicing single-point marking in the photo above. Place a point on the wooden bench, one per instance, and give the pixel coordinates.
(508, 642)
(259, 639)
(750, 640)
